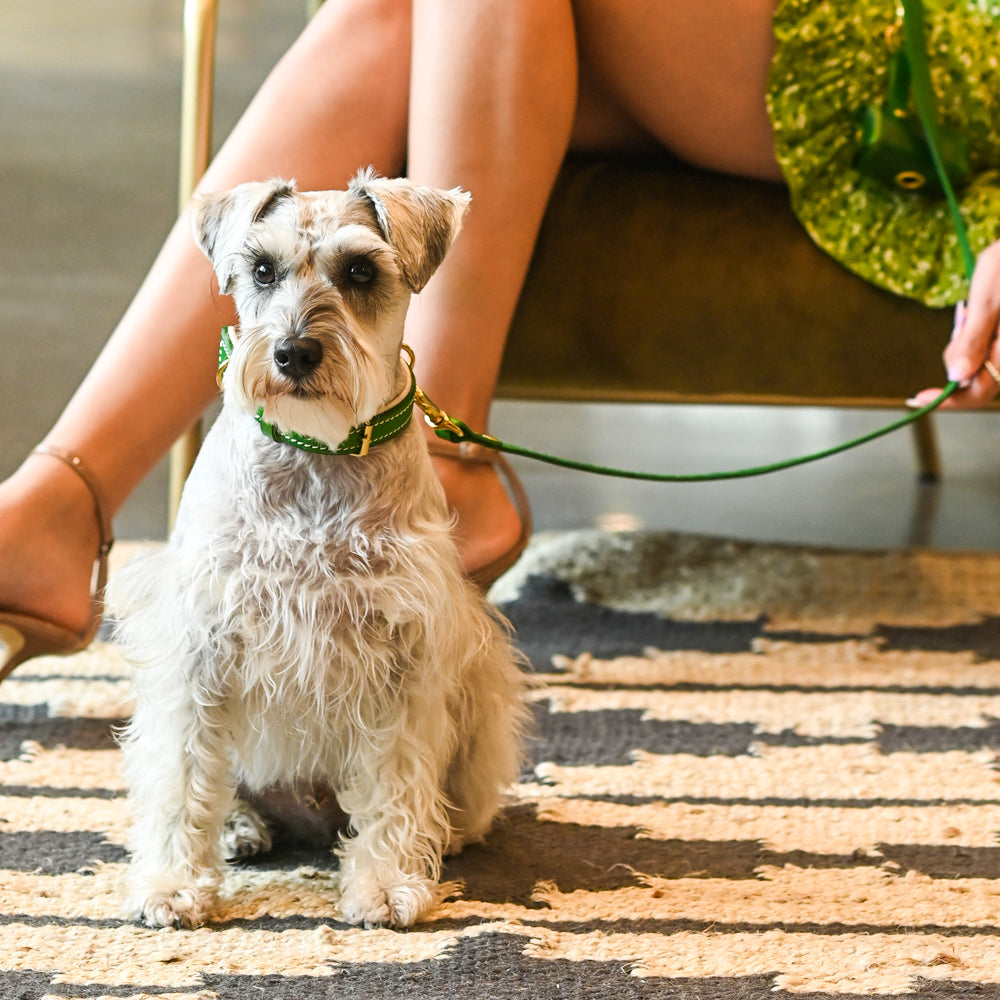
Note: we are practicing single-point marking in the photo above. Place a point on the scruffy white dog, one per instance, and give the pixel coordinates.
(308, 623)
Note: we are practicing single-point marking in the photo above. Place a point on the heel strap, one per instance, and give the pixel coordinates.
(476, 454)
(103, 516)
(463, 451)
(472, 453)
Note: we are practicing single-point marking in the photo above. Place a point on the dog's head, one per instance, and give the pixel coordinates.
(322, 281)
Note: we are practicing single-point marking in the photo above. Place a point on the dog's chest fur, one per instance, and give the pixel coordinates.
(314, 565)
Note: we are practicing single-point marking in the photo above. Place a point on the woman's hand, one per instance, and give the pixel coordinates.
(974, 346)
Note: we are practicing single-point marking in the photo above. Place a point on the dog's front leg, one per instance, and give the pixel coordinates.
(388, 873)
(178, 761)
(390, 866)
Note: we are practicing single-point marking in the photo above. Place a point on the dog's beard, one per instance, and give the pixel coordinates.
(348, 388)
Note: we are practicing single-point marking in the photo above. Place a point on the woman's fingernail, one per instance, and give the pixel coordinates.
(959, 319)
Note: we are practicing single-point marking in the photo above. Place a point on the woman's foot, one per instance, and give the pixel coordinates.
(494, 520)
(49, 537)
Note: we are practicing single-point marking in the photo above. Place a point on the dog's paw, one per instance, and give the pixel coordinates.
(184, 909)
(245, 834)
(364, 901)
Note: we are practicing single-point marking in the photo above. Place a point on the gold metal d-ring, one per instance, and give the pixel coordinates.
(910, 180)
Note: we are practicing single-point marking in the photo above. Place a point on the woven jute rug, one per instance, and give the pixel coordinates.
(759, 771)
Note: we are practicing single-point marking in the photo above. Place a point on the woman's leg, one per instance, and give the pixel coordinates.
(692, 75)
(337, 101)
(493, 92)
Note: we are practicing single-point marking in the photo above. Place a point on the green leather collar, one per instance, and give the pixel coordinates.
(381, 428)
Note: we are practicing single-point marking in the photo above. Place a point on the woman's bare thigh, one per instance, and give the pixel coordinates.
(690, 74)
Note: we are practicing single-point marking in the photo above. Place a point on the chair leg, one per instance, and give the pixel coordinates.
(198, 93)
(182, 456)
(197, 101)
(925, 441)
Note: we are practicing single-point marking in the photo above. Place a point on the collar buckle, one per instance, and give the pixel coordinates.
(366, 442)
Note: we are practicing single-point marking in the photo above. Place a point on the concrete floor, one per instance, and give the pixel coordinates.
(88, 173)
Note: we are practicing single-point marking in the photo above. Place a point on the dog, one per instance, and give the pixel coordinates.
(307, 623)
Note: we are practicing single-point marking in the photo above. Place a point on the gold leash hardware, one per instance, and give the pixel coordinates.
(433, 414)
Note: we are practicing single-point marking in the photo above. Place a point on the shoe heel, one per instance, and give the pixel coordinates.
(24, 638)
(15, 646)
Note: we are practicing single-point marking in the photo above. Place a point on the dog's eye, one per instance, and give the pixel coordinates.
(360, 271)
(263, 272)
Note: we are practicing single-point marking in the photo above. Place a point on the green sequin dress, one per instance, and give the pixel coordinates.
(831, 60)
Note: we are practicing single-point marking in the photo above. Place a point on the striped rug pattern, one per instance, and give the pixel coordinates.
(758, 771)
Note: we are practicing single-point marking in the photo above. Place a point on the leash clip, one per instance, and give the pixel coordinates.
(436, 417)
(433, 414)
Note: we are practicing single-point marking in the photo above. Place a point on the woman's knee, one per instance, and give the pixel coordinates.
(378, 26)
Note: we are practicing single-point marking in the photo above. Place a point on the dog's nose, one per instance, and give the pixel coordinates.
(298, 357)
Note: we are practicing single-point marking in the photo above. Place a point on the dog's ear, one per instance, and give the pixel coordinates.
(419, 222)
(222, 221)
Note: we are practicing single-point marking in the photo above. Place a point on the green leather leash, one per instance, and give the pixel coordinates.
(923, 98)
(451, 429)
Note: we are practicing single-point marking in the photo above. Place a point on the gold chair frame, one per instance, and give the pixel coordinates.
(197, 102)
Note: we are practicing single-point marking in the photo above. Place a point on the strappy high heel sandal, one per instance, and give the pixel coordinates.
(23, 637)
(467, 451)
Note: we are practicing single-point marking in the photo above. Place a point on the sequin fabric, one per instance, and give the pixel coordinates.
(832, 59)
